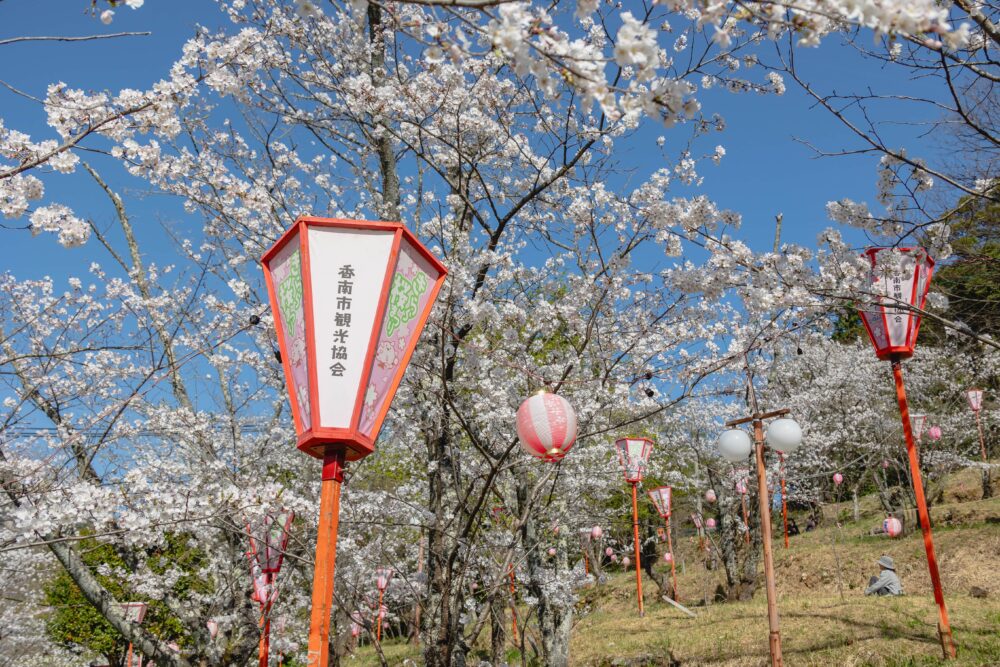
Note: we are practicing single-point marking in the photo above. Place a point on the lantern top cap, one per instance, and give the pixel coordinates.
(918, 251)
(375, 225)
(633, 437)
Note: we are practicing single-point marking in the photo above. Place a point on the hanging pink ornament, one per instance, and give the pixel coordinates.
(213, 629)
(710, 496)
(710, 523)
(668, 557)
(555, 529)
(892, 527)
(552, 551)
(625, 561)
(838, 478)
(596, 532)
(741, 488)
(474, 585)
(546, 426)
(934, 433)
(609, 552)
(355, 629)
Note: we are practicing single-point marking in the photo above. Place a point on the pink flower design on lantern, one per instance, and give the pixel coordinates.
(838, 478)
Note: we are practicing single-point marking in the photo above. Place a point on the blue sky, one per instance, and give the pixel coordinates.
(765, 170)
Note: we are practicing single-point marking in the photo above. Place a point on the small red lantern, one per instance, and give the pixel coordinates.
(975, 398)
(891, 326)
(710, 496)
(614, 558)
(838, 478)
(546, 426)
(596, 532)
(668, 557)
(213, 628)
(892, 527)
(696, 520)
(552, 551)
(625, 561)
(382, 577)
(633, 454)
(741, 488)
(355, 629)
(710, 523)
(660, 496)
(919, 422)
(609, 552)
(270, 552)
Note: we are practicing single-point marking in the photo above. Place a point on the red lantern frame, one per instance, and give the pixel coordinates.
(316, 439)
(876, 321)
(633, 469)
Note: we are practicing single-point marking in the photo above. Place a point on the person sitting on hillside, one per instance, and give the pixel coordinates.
(793, 528)
(887, 582)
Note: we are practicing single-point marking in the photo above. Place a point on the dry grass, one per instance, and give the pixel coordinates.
(818, 627)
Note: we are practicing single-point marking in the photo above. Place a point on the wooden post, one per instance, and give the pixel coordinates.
(765, 529)
(784, 497)
(635, 533)
(513, 602)
(326, 559)
(944, 628)
(670, 548)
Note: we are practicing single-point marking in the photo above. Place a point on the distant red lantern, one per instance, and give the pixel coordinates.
(596, 532)
(919, 422)
(609, 552)
(269, 539)
(891, 325)
(633, 455)
(355, 629)
(614, 558)
(838, 479)
(741, 488)
(710, 523)
(213, 628)
(546, 426)
(625, 561)
(383, 576)
(668, 557)
(660, 496)
(710, 496)
(892, 527)
(552, 551)
(975, 398)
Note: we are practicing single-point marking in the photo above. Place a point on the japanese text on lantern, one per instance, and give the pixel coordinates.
(897, 294)
(342, 320)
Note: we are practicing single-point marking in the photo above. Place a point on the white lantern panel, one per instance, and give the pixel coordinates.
(346, 287)
(411, 288)
(286, 274)
(899, 289)
(975, 397)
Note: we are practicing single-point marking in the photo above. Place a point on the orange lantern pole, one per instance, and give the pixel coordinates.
(265, 636)
(326, 559)
(892, 325)
(944, 627)
(633, 454)
(513, 602)
(670, 549)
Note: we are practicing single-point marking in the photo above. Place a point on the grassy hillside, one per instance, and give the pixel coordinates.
(819, 627)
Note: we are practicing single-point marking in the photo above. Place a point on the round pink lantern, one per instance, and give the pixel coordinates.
(838, 479)
(596, 532)
(552, 551)
(355, 629)
(625, 561)
(614, 558)
(609, 552)
(710, 496)
(892, 527)
(213, 628)
(710, 524)
(934, 433)
(546, 426)
(741, 488)
(668, 557)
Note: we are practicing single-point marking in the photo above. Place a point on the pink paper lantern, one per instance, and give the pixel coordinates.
(633, 455)
(661, 500)
(596, 532)
(355, 629)
(546, 426)
(609, 552)
(892, 527)
(668, 557)
(625, 561)
(838, 478)
(710, 523)
(614, 558)
(741, 488)
(919, 421)
(934, 433)
(552, 551)
(382, 577)
(213, 628)
(710, 496)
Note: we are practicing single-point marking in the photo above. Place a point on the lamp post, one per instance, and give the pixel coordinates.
(661, 501)
(267, 550)
(735, 445)
(975, 398)
(633, 454)
(892, 326)
(134, 612)
(350, 299)
(383, 576)
(784, 496)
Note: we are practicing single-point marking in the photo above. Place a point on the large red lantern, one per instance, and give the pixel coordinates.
(350, 299)
(901, 279)
(892, 527)
(891, 325)
(975, 398)
(546, 426)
